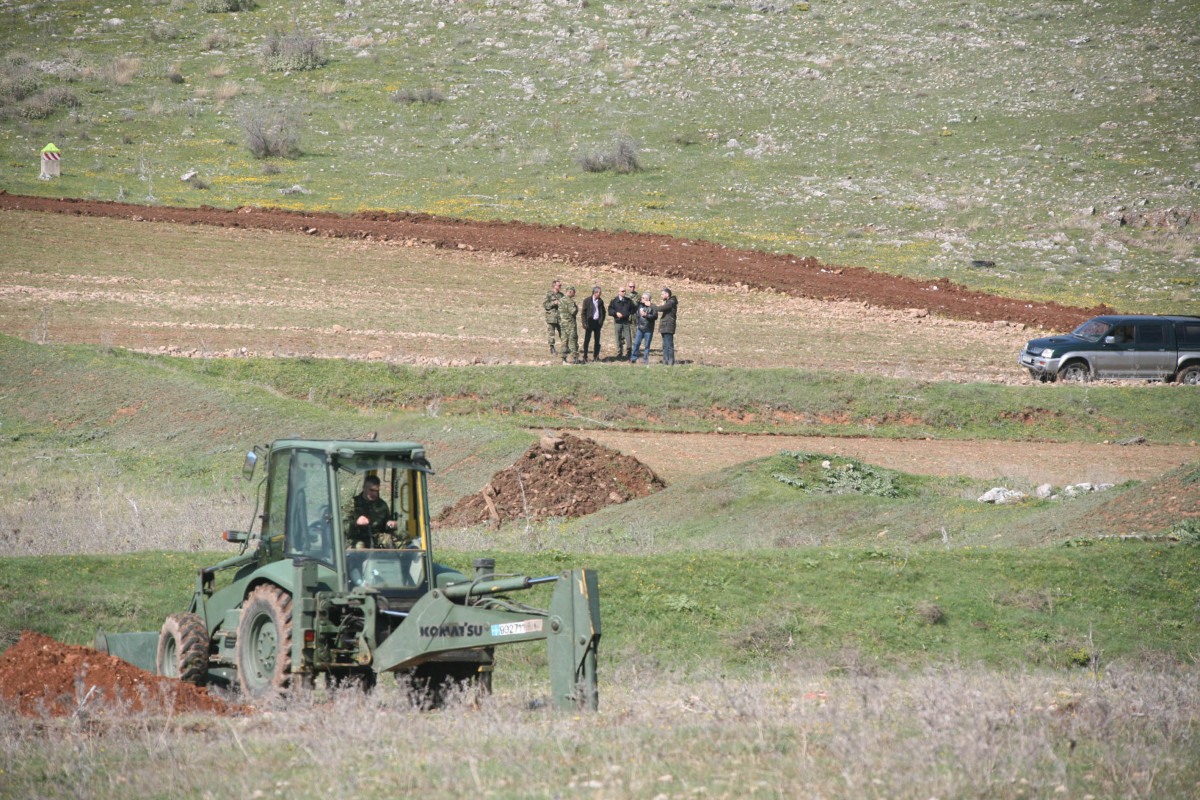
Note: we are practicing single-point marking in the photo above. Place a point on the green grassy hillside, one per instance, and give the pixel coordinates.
(748, 611)
(911, 139)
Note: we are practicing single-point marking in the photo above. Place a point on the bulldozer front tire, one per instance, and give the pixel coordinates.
(264, 642)
(183, 645)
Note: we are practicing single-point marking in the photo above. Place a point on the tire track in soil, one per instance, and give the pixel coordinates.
(653, 254)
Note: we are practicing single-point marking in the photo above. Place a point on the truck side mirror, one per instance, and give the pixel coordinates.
(1110, 340)
(248, 467)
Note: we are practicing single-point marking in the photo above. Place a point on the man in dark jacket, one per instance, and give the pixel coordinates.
(367, 517)
(592, 315)
(666, 325)
(622, 309)
(646, 315)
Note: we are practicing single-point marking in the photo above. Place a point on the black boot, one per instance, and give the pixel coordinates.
(553, 352)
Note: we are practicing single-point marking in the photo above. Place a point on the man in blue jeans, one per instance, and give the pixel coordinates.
(646, 314)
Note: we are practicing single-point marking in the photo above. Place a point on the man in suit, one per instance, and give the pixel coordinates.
(592, 315)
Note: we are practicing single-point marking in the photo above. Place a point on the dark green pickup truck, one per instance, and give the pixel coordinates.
(1120, 346)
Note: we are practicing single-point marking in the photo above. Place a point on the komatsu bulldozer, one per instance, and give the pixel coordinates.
(316, 592)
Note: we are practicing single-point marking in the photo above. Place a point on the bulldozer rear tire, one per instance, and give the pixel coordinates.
(264, 642)
(183, 645)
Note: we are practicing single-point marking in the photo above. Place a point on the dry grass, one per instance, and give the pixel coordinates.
(798, 733)
(110, 515)
(328, 283)
(121, 70)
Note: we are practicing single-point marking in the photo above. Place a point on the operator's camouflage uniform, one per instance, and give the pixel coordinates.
(376, 511)
(552, 325)
(568, 310)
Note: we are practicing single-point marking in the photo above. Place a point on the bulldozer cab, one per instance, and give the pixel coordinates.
(317, 493)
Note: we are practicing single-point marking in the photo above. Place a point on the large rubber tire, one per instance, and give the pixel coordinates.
(264, 642)
(1075, 372)
(183, 645)
(1189, 375)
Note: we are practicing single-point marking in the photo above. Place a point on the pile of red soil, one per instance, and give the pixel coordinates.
(40, 676)
(557, 477)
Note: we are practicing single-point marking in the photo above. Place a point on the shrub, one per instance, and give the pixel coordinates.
(121, 70)
(17, 84)
(225, 6)
(431, 97)
(216, 40)
(622, 159)
(929, 612)
(293, 52)
(163, 32)
(272, 130)
(47, 101)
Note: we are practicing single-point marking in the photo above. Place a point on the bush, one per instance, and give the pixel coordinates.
(293, 52)
(46, 102)
(121, 70)
(225, 6)
(428, 96)
(216, 40)
(16, 85)
(272, 130)
(622, 159)
(163, 32)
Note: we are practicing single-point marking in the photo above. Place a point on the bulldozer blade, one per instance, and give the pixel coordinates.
(139, 649)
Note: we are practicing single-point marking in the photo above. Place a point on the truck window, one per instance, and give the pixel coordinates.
(1151, 335)
(1188, 334)
(310, 514)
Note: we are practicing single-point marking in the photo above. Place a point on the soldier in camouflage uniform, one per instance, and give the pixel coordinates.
(367, 518)
(550, 304)
(568, 311)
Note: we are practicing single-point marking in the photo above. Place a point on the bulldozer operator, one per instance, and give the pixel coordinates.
(368, 520)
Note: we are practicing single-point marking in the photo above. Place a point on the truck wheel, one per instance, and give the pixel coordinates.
(183, 648)
(1189, 375)
(264, 642)
(1075, 372)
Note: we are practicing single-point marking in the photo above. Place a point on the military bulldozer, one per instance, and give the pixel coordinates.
(314, 593)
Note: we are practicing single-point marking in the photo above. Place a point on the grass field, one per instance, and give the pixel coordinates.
(859, 673)
(914, 140)
(763, 637)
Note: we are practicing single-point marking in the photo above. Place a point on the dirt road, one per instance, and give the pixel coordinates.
(1030, 462)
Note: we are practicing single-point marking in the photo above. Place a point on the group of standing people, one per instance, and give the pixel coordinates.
(633, 318)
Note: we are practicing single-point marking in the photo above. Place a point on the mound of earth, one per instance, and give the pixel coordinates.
(650, 254)
(557, 477)
(40, 676)
(1149, 508)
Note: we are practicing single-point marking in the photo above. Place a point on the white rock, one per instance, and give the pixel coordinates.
(1044, 491)
(1000, 495)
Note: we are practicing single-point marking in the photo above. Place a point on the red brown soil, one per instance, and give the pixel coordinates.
(1057, 463)
(40, 676)
(650, 254)
(558, 477)
(1146, 509)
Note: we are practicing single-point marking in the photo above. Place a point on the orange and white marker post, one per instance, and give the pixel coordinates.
(51, 162)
